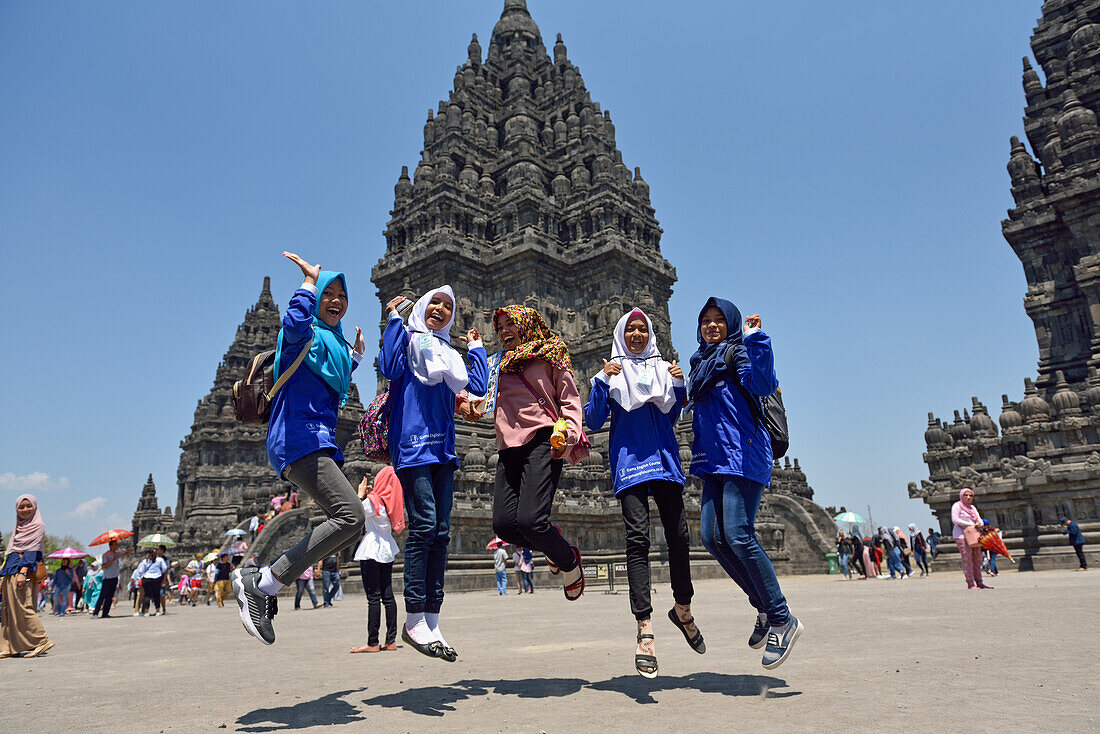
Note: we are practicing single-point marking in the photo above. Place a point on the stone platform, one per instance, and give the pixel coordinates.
(915, 655)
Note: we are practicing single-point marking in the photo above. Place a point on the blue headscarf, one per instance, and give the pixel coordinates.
(708, 364)
(328, 356)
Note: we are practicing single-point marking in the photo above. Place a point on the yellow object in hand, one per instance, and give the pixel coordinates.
(557, 438)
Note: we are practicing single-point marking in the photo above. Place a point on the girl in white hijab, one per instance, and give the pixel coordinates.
(643, 394)
(431, 357)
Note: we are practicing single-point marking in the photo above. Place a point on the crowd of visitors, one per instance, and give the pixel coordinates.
(863, 557)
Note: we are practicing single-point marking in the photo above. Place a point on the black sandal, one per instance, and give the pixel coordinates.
(433, 649)
(696, 642)
(646, 665)
(578, 585)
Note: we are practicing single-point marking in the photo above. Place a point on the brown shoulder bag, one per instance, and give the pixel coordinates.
(252, 396)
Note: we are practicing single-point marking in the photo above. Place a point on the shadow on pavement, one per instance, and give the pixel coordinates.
(321, 712)
(438, 700)
(642, 690)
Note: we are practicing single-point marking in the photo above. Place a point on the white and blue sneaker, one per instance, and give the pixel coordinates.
(759, 632)
(780, 642)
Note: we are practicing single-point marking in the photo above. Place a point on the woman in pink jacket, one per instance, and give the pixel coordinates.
(964, 514)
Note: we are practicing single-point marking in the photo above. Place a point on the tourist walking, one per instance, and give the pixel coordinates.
(111, 565)
(21, 631)
(517, 564)
(63, 579)
(500, 569)
(304, 583)
(153, 573)
(967, 521)
(920, 549)
(538, 419)
(857, 553)
(903, 550)
(732, 454)
(81, 572)
(1077, 540)
(301, 438)
(427, 376)
(223, 579)
(385, 509)
(527, 568)
(93, 585)
(933, 542)
(890, 549)
(643, 395)
(330, 579)
(844, 553)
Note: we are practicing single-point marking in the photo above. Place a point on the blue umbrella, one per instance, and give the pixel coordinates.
(236, 532)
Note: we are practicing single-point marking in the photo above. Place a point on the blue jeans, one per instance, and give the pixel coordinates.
(728, 515)
(843, 557)
(429, 493)
(304, 585)
(502, 581)
(330, 582)
(61, 599)
(992, 562)
(893, 562)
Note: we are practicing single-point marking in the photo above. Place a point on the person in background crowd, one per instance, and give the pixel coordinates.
(517, 562)
(528, 568)
(500, 568)
(920, 549)
(136, 592)
(933, 541)
(873, 570)
(890, 549)
(989, 558)
(21, 631)
(211, 572)
(904, 550)
(239, 549)
(93, 585)
(223, 579)
(81, 571)
(253, 527)
(63, 579)
(330, 578)
(253, 560)
(843, 553)
(384, 506)
(110, 579)
(1076, 539)
(964, 515)
(304, 583)
(152, 580)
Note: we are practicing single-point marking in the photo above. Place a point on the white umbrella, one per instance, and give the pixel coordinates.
(236, 532)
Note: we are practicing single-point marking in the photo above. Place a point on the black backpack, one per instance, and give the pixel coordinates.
(768, 410)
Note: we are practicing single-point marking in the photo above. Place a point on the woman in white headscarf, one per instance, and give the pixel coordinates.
(427, 375)
(643, 395)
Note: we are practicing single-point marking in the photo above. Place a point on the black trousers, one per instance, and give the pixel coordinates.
(152, 593)
(669, 498)
(857, 560)
(527, 479)
(1080, 551)
(106, 596)
(378, 583)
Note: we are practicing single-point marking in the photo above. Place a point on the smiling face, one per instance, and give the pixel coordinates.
(506, 332)
(637, 335)
(713, 325)
(24, 510)
(439, 311)
(333, 304)
(968, 497)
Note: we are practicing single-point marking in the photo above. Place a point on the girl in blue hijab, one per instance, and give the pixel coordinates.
(301, 438)
(732, 454)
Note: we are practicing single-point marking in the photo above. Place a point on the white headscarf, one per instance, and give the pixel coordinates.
(432, 358)
(645, 377)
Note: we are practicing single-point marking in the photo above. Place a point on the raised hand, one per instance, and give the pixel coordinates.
(471, 336)
(611, 368)
(360, 342)
(675, 371)
(394, 303)
(310, 272)
(364, 487)
(753, 323)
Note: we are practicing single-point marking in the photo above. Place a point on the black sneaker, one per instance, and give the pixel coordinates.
(759, 632)
(780, 642)
(257, 608)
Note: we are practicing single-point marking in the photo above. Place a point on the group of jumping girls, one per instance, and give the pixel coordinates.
(539, 421)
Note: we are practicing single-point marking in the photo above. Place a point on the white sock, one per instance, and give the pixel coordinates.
(417, 628)
(432, 620)
(268, 583)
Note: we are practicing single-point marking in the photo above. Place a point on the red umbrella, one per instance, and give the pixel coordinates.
(110, 535)
(494, 543)
(992, 541)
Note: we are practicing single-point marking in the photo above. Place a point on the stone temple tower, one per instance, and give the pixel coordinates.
(521, 196)
(1045, 461)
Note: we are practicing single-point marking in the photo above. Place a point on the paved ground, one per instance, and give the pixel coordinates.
(918, 655)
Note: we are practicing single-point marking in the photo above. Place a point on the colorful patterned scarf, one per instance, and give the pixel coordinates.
(536, 341)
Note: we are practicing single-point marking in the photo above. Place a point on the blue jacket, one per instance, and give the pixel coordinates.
(303, 414)
(643, 441)
(1076, 537)
(422, 417)
(729, 439)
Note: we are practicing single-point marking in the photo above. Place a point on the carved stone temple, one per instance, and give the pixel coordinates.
(1044, 462)
(520, 196)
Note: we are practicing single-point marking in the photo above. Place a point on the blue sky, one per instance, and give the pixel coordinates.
(837, 167)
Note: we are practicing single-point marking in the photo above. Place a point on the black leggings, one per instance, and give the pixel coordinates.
(527, 479)
(378, 583)
(669, 498)
(152, 593)
(106, 596)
